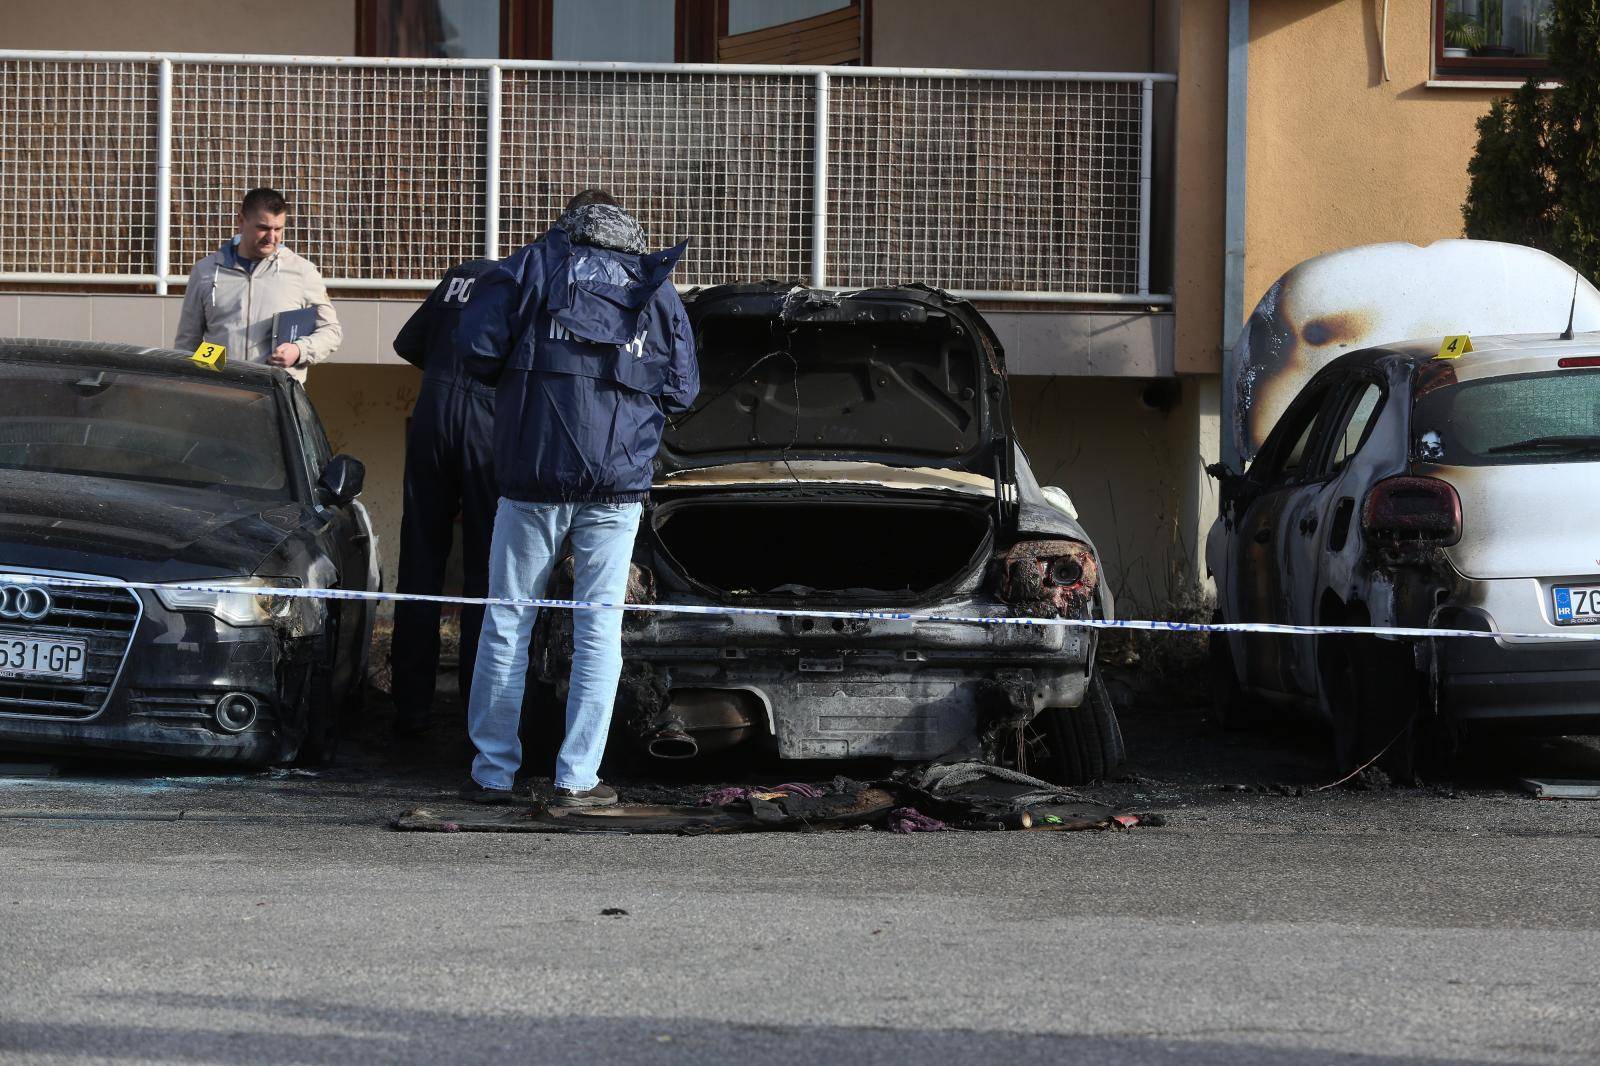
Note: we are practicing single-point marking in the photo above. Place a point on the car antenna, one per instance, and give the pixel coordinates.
(1566, 334)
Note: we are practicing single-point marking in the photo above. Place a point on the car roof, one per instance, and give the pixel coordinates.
(113, 356)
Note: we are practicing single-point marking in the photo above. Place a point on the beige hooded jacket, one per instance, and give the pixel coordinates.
(226, 305)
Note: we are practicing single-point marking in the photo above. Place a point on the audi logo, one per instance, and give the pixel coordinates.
(29, 602)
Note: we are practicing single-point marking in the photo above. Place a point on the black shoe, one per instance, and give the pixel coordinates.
(476, 793)
(598, 796)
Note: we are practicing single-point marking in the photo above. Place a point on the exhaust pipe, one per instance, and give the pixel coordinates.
(672, 741)
(698, 721)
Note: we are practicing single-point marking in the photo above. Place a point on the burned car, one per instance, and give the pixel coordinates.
(124, 464)
(854, 452)
(1430, 484)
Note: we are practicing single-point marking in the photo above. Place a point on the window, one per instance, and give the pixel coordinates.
(430, 29)
(1525, 419)
(1363, 415)
(141, 427)
(312, 440)
(1287, 448)
(1491, 38)
(623, 31)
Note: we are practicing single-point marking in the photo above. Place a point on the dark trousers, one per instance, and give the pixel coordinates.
(449, 467)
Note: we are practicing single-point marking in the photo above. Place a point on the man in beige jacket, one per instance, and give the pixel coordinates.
(234, 292)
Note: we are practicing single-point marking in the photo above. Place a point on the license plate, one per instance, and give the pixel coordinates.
(59, 660)
(1577, 605)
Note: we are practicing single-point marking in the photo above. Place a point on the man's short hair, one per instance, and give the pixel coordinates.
(264, 199)
(590, 196)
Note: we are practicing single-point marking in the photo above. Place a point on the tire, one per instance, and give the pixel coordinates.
(324, 725)
(1229, 708)
(1085, 742)
(1376, 699)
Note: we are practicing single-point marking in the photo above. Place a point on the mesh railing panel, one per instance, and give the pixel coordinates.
(972, 184)
(382, 166)
(77, 167)
(723, 160)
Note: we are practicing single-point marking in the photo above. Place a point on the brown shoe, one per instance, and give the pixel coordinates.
(598, 796)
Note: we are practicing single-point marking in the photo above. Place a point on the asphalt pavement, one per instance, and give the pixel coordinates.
(157, 915)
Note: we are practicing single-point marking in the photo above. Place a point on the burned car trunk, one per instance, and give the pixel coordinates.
(846, 546)
(851, 452)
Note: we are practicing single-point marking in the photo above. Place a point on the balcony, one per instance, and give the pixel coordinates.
(1033, 189)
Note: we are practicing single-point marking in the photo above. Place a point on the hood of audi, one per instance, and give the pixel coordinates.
(134, 531)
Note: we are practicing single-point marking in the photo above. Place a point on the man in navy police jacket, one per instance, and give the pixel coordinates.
(449, 468)
(589, 348)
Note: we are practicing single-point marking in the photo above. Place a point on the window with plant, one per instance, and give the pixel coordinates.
(1480, 38)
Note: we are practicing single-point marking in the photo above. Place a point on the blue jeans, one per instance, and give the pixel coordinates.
(525, 549)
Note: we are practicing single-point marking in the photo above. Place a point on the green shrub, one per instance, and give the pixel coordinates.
(1533, 172)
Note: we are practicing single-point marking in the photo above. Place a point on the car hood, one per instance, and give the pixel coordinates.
(134, 531)
(900, 376)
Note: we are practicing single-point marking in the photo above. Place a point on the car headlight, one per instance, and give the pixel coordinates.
(250, 606)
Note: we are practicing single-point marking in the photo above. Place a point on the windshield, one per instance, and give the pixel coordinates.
(1521, 419)
(141, 427)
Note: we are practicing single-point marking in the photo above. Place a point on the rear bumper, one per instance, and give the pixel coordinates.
(1553, 685)
(836, 689)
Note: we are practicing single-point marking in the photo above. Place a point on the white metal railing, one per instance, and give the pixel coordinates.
(118, 168)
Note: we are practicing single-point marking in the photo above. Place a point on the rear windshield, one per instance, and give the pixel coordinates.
(141, 427)
(1521, 419)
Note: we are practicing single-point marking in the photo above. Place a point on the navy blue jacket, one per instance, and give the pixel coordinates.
(425, 341)
(589, 348)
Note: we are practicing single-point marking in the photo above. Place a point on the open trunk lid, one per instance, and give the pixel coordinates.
(900, 376)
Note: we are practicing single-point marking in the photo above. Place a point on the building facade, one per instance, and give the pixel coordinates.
(1115, 224)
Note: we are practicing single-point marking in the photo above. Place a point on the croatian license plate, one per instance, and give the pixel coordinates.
(1577, 605)
(58, 660)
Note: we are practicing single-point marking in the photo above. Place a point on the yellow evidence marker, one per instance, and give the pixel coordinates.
(210, 356)
(1455, 347)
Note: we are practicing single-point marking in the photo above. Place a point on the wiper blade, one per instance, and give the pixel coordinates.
(1575, 443)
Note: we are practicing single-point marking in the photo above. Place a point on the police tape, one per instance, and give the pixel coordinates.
(913, 617)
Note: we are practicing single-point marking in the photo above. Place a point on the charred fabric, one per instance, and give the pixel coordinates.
(849, 453)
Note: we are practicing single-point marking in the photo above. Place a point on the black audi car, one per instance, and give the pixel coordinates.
(121, 464)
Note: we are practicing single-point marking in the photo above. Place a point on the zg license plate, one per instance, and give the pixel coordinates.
(60, 660)
(1577, 605)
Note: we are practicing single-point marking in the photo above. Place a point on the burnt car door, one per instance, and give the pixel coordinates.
(1279, 483)
(344, 535)
(1317, 547)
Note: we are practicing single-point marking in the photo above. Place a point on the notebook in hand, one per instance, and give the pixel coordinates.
(290, 326)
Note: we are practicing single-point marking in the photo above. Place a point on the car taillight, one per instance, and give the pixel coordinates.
(1413, 508)
(1049, 577)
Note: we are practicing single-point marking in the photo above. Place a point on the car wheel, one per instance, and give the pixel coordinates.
(323, 719)
(1375, 699)
(1084, 743)
(1229, 707)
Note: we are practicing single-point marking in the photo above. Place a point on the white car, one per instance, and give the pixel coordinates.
(1406, 487)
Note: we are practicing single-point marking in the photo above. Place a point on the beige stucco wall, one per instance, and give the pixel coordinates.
(285, 27)
(1200, 186)
(1338, 156)
(1125, 465)
(364, 409)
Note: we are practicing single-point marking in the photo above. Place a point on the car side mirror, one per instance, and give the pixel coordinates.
(1233, 488)
(342, 479)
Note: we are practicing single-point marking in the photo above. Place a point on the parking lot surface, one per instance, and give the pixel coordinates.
(157, 915)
